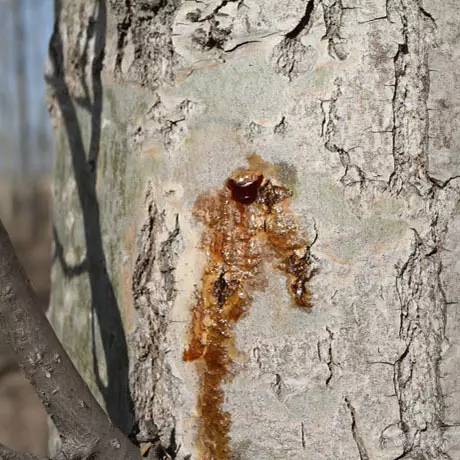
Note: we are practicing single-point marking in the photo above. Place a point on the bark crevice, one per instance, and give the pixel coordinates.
(154, 290)
(363, 454)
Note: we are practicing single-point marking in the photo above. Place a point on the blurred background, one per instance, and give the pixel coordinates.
(26, 158)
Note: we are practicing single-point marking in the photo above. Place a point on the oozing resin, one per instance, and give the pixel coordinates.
(246, 222)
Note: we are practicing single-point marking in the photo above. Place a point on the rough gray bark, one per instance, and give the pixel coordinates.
(355, 103)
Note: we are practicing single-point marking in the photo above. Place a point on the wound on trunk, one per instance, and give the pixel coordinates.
(246, 222)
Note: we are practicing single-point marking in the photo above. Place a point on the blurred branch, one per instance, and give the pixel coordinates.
(85, 429)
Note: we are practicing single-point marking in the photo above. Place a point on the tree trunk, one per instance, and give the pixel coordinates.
(256, 223)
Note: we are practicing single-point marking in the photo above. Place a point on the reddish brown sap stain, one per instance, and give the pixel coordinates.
(246, 222)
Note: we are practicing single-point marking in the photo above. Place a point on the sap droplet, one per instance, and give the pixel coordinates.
(245, 191)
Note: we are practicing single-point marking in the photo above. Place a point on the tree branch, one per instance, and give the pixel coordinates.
(84, 427)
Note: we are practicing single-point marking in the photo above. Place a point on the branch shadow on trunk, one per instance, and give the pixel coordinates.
(84, 162)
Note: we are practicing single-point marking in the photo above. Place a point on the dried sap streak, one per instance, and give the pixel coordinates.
(246, 222)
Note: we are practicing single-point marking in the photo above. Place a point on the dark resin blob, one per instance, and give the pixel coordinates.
(245, 191)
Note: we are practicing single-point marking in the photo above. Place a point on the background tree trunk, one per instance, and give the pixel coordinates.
(356, 104)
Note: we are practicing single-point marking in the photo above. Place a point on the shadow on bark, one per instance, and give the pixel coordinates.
(104, 303)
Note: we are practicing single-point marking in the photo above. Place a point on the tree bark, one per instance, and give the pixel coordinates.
(348, 110)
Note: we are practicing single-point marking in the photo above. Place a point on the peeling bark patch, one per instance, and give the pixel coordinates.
(416, 372)
(291, 57)
(147, 26)
(212, 34)
(333, 11)
(242, 229)
(411, 90)
(417, 379)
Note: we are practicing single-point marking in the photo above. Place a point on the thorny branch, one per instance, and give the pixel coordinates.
(85, 430)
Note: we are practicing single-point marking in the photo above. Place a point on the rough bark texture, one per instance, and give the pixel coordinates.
(356, 104)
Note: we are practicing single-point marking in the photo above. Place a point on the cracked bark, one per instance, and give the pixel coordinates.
(422, 322)
(352, 173)
(417, 378)
(330, 360)
(344, 102)
(410, 113)
(363, 455)
(154, 291)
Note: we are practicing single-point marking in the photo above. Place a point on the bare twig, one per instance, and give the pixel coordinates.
(85, 429)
